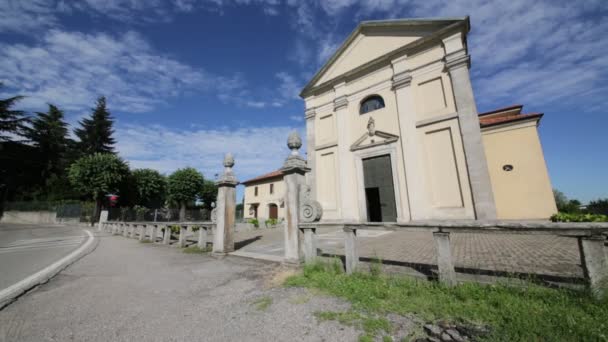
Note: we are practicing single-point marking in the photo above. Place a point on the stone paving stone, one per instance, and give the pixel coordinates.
(515, 253)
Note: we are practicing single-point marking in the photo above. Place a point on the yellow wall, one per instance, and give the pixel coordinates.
(525, 192)
(264, 197)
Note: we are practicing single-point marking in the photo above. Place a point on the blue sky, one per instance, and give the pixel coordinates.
(188, 80)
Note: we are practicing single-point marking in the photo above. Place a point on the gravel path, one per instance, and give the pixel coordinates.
(129, 291)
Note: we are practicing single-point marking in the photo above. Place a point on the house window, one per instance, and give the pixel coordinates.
(255, 191)
(371, 103)
(271, 189)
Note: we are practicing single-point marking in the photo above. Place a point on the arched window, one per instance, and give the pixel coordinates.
(371, 103)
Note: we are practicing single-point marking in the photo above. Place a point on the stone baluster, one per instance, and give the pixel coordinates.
(153, 232)
(125, 229)
(447, 274)
(595, 264)
(142, 232)
(224, 213)
(202, 237)
(183, 231)
(351, 249)
(167, 235)
(310, 243)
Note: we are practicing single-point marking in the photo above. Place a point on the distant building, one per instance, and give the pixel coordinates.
(393, 133)
(263, 197)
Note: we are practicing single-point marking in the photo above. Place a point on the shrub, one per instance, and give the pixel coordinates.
(254, 222)
(578, 217)
(271, 222)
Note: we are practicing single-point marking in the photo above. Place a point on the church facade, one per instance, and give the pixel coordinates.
(393, 133)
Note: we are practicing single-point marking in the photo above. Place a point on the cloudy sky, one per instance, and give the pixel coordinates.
(188, 80)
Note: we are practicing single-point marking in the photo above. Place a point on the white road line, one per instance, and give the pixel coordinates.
(35, 248)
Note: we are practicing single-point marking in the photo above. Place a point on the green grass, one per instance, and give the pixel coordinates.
(526, 313)
(196, 250)
(262, 303)
(371, 324)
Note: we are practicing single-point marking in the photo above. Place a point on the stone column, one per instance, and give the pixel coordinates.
(310, 244)
(294, 170)
(153, 233)
(447, 274)
(181, 242)
(125, 230)
(457, 63)
(142, 232)
(595, 264)
(202, 237)
(225, 211)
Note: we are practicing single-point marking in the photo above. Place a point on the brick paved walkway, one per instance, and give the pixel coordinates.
(498, 254)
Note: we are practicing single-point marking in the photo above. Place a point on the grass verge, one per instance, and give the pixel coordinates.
(196, 250)
(528, 313)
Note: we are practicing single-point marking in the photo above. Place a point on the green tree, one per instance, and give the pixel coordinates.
(12, 122)
(150, 186)
(209, 194)
(599, 206)
(95, 133)
(49, 134)
(564, 204)
(183, 186)
(97, 175)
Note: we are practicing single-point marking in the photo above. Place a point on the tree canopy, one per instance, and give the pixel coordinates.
(150, 187)
(95, 133)
(184, 185)
(208, 194)
(49, 133)
(12, 122)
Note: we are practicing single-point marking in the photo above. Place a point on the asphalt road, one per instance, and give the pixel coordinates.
(131, 291)
(27, 249)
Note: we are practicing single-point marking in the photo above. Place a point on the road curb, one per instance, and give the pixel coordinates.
(12, 292)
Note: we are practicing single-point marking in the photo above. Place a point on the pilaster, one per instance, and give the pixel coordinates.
(223, 240)
(310, 155)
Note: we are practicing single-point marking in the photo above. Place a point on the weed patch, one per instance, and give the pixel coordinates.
(523, 313)
(262, 303)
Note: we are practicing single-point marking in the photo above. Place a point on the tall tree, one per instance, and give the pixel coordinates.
(209, 194)
(183, 186)
(12, 122)
(95, 133)
(98, 175)
(49, 134)
(150, 186)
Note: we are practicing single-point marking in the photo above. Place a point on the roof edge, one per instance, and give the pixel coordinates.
(523, 117)
(503, 109)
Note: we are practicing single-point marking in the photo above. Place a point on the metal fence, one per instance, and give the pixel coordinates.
(65, 210)
(156, 215)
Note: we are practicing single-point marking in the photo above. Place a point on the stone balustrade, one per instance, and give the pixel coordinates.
(591, 239)
(150, 231)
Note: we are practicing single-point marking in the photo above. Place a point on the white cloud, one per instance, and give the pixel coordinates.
(257, 149)
(72, 69)
(297, 118)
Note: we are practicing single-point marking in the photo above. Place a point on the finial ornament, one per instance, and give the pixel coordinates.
(371, 127)
(294, 142)
(228, 176)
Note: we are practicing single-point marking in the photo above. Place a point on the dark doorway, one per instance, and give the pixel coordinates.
(273, 211)
(379, 189)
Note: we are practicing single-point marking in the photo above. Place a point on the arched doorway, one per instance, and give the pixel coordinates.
(273, 211)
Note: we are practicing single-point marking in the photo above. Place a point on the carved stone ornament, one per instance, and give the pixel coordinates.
(310, 210)
(294, 142)
(228, 177)
(371, 127)
(214, 215)
(294, 161)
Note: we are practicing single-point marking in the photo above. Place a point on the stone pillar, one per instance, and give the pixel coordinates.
(181, 242)
(311, 153)
(167, 235)
(103, 218)
(294, 170)
(595, 264)
(142, 232)
(125, 230)
(153, 233)
(310, 244)
(457, 63)
(225, 211)
(202, 237)
(351, 250)
(447, 275)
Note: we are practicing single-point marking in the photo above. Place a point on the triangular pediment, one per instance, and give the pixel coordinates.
(373, 138)
(373, 39)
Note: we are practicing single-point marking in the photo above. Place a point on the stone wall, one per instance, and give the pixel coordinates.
(31, 217)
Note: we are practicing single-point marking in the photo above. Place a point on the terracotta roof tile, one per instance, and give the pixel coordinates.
(273, 174)
(485, 122)
(503, 109)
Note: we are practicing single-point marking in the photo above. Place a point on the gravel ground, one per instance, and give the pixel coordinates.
(129, 291)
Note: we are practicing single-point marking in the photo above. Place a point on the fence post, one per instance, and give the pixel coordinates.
(167, 235)
(142, 232)
(309, 246)
(294, 168)
(223, 240)
(595, 264)
(202, 237)
(351, 252)
(447, 274)
(103, 217)
(181, 242)
(125, 229)
(153, 233)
